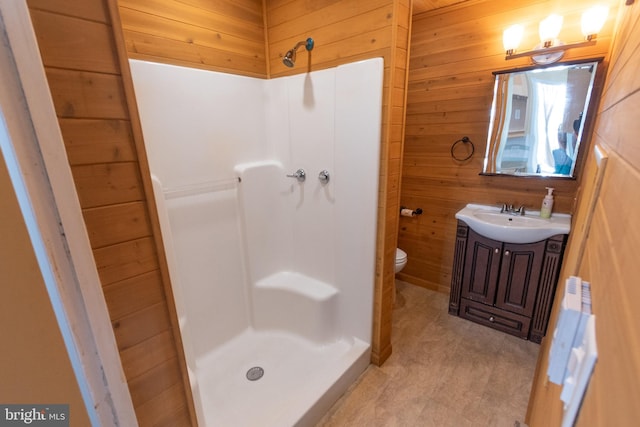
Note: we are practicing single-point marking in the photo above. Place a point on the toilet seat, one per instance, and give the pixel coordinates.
(401, 260)
(401, 256)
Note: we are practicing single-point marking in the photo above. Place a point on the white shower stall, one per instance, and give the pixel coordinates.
(273, 277)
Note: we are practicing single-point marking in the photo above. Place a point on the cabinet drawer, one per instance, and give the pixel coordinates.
(495, 318)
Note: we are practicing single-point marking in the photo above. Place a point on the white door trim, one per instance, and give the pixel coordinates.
(32, 145)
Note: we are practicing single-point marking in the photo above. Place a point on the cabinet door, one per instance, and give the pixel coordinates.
(482, 265)
(519, 277)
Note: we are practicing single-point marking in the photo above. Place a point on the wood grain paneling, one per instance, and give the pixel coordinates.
(609, 262)
(117, 223)
(420, 6)
(162, 376)
(94, 50)
(343, 32)
(107, 183)
(453, 53)
(141, 325)
(90, 10)
(140, 359)
(86, 94)
(125, 260)
(81, 53)
(134, 294)
(222, 35)
(165, 409)
(97, 141)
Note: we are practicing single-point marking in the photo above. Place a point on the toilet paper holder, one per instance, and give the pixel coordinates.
(410, 212)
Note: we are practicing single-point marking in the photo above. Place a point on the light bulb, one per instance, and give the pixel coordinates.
(511, 38)
(549, 29)
(593, 19)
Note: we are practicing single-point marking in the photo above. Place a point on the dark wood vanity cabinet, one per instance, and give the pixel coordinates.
(505, 286)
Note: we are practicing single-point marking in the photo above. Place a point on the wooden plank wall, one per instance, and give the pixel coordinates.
(420, 6)
(82, 56)
(610, 259)
(453, 53)
(345, 32)
(220, 35)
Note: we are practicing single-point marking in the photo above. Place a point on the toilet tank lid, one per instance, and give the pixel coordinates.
(400, 254)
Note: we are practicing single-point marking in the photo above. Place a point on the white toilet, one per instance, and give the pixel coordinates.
(401, 259)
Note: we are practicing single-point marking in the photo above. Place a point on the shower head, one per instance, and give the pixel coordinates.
(289, 58)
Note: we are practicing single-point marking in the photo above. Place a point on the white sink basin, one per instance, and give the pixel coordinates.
(511, 228)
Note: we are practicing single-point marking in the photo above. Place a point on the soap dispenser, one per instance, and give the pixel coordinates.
(547, 204)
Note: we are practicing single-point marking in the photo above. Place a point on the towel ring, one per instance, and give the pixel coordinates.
(465, 139)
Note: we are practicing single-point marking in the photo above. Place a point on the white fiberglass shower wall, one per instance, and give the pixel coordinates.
(268, 272)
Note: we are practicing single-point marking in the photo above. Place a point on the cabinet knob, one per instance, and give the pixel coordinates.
(497, 250)
(492, 319)
(506, 253)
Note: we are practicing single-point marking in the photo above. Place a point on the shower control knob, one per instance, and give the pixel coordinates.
(323, 176)
(300, 175)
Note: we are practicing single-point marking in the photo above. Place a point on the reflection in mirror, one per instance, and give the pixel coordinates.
(537, 119)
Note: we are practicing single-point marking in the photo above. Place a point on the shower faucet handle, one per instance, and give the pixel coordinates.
(300, 175)
(323, 176)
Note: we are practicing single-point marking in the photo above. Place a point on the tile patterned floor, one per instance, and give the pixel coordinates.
(444, 371)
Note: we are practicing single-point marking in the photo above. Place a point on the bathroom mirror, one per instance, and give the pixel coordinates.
(537, 119)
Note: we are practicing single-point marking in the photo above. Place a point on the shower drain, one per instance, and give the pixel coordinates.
(255, 373)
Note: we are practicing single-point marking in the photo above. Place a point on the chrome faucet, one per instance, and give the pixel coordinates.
(300, 175)
(510, 209)
(324, 176)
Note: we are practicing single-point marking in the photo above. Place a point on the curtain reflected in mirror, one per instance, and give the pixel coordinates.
(537, 119)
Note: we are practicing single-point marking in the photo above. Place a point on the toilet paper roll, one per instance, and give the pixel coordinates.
(406, 212)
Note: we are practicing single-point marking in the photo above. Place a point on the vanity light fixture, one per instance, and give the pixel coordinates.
(551, 49)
